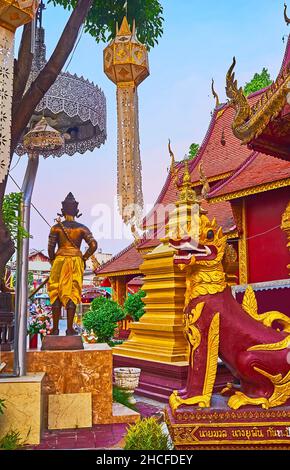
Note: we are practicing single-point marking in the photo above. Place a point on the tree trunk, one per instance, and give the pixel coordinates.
(24, 106)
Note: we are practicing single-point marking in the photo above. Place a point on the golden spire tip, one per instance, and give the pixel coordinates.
(124, 28)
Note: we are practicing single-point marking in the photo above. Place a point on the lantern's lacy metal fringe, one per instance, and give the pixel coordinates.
(130, 197)
(70, 97)
(6, 90)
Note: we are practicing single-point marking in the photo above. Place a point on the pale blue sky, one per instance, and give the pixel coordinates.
(199, 41)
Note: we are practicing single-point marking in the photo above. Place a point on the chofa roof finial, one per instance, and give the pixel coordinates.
(215, 95)
(286, 18)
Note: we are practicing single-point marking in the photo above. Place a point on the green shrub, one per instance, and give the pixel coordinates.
(146, 434)
(11, 441)
(120, 396)
(134, 305)
(102, 318)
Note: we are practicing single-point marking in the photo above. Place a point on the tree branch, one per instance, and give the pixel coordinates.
(22, 67)
(50, 72)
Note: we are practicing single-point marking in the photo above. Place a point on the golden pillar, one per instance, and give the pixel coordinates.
(13, 13)
(243, 248)
(119, 288)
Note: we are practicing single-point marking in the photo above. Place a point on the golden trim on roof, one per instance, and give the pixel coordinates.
(211, 179)
(250, 121)
(118, 273)
(249, 191)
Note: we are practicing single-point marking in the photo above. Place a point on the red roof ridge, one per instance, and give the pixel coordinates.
(243, 166)
(286, 58)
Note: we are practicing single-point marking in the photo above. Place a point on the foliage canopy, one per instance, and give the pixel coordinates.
(11, 217)
(134, 305)
(259, 81)
(193, 150)
(102, 18)
(102, 318)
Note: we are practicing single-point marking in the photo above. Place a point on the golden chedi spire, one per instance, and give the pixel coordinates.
(186, 193)
(126, 64)
(180, 218)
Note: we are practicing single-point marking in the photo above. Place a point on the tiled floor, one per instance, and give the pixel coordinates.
(106, 436)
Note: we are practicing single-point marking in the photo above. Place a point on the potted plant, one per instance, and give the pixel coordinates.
(127, 379)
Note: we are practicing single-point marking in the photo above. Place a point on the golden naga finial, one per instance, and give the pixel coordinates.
(237, 97)
(135, 234)
(173, 170)
(286, 18)
(95, 262)
(203, 179)
(215, 95)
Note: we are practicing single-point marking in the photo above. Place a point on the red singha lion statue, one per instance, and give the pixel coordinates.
(216, 325)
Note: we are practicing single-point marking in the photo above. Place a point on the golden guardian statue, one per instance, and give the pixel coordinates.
(68, 262)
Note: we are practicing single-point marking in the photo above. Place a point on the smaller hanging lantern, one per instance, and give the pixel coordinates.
(43, 139)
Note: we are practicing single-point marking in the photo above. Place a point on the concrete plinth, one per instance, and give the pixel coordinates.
(23, 411)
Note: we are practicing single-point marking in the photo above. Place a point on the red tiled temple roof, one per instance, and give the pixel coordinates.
(217, 159)
(127, 260)
(257, 170)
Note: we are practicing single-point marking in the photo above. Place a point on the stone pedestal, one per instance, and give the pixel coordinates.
(62, 343)
(158, 336)
(23, 411)
(89, 370)
(220, 427)
(70, 411)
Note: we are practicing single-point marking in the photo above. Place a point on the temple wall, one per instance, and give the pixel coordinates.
(268, 254)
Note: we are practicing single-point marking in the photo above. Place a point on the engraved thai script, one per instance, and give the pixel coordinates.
(274, 432)
(218, 434)
(248, 433)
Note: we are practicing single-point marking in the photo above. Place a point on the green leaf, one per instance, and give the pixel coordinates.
(258, 82)
(193, 151)
(102, 318)
(11, 216)
(104, 14)
(134, 305)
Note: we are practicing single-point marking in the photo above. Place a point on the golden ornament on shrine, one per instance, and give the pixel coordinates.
(15, 13)
(126, 64)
